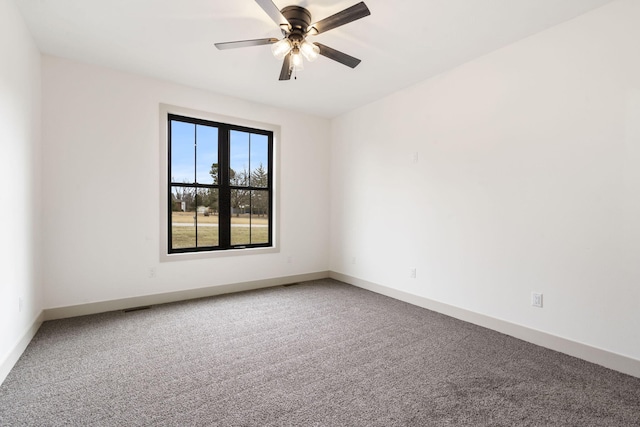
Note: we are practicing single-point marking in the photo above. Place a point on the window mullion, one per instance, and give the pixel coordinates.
(195, 181)
(250, 194)
(224, 206)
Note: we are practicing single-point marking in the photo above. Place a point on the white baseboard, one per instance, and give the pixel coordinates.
(591, 354)
(124, 303)
(7, 364)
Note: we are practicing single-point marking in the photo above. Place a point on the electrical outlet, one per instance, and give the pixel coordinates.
(289, 259)
(536, 299)
(152, 273)
(20, 305)
(412, 272)
(353, 260)
(414, 157)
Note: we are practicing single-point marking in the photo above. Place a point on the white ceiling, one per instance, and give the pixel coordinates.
(401, 43)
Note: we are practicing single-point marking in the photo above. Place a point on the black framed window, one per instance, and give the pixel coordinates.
(220, 186)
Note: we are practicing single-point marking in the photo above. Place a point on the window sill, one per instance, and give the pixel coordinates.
(189, 256)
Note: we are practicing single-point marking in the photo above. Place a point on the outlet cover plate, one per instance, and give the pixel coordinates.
(536, 299)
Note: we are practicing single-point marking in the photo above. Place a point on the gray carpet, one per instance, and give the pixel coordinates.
(319, 353)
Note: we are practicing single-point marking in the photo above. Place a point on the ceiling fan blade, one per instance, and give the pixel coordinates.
(274, 13)
(285, 73)
(338, 56)
(350, 14)
(245, 43)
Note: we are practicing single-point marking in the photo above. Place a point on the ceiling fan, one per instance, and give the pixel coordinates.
(295, 23)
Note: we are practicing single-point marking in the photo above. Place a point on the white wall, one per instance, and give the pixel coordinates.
(527, 179)
(101, 188)
(19, 174)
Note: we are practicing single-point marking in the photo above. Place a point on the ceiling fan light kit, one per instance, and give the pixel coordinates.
(297, 63)
(310, 51)
(295, 23)
(281, 48)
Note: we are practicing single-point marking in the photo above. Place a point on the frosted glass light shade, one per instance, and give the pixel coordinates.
(281, 48)
(310, 51)
(296, 60)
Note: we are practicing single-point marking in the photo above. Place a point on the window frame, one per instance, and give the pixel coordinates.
(224, 124)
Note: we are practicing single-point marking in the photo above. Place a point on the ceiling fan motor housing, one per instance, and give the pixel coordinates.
(299, 18)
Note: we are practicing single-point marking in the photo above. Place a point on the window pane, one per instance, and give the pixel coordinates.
(259, 216)
(240, 217)
(183, 230)
(239, 158)
(259, 160)
(207, 154)
(182, 152)
(207, 217)
(239, 202)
